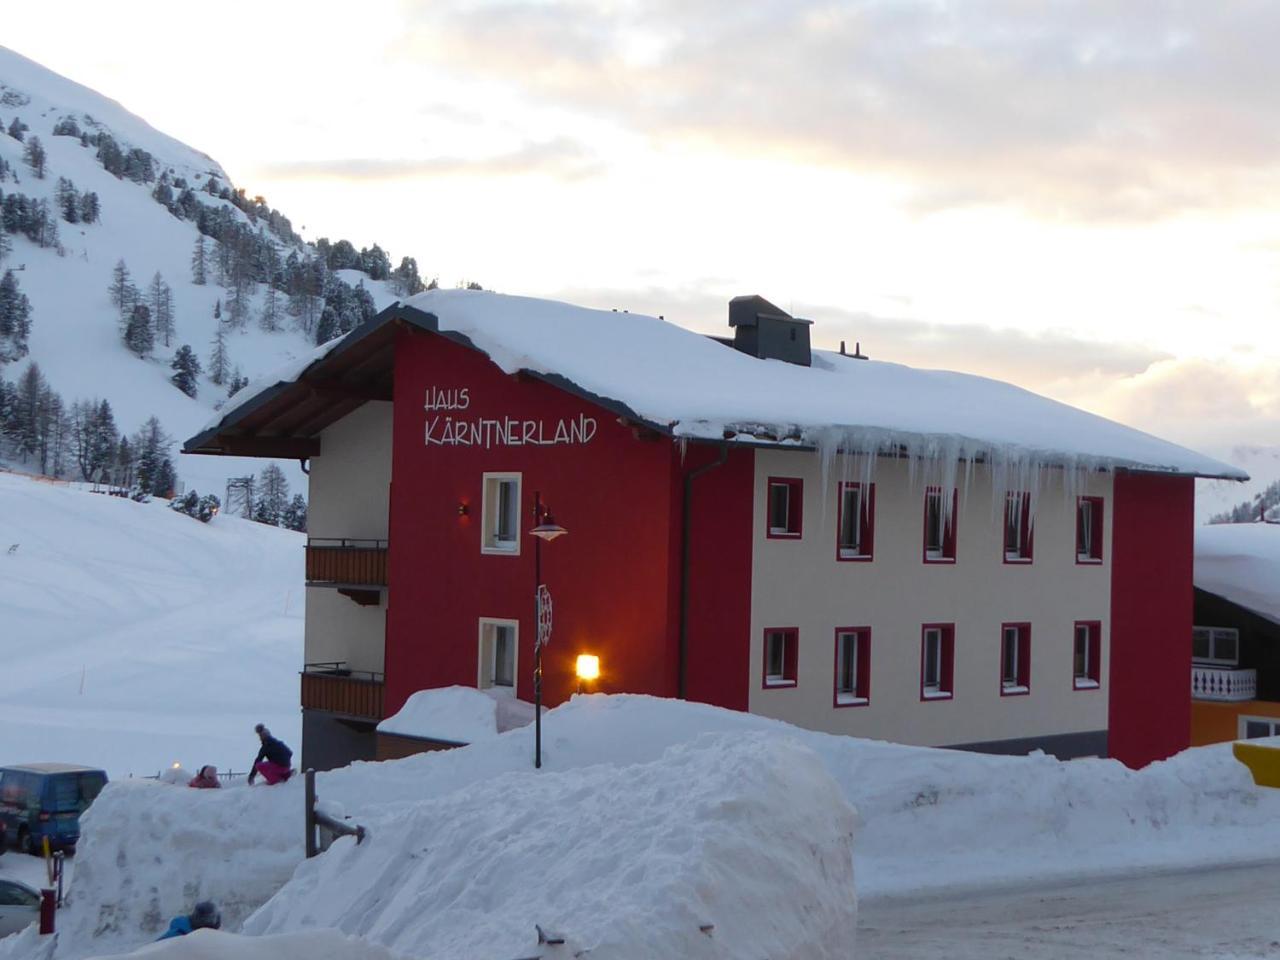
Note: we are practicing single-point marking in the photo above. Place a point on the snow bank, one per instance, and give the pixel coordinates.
(723, 847)
(309, 945)
(1241, 563)
(452, 714)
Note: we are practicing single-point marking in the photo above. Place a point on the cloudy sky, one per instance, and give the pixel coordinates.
(1080, 197)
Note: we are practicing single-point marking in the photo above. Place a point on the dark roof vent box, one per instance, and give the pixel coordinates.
(763, 330)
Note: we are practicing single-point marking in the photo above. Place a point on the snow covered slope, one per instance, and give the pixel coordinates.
(132, 637)
(1241, 562)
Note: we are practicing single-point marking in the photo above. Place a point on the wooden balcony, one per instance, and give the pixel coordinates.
(356, 568)
(349, 693)
(1223, 683)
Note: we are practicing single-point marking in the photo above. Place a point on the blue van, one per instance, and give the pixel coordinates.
(39, 800)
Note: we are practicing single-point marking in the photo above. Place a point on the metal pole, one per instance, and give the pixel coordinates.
(537, 639)
(310, 778)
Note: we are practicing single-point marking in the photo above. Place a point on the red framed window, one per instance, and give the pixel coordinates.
(1015, 659)
(1017, 527)
(1089, 530)
(939, 526)
(785, 507)
(856, 522)
(853, 667)
(1086, 656)
(937, 661)
(781, 649)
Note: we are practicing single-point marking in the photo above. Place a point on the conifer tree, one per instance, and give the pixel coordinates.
(273, 495)
(186, 368)
(237, 383)
(161, 298)
(199, 262)
(121, 290)
(295, 515)
(15, 319)
(90, 212)
(6, 245)
(151, 451)
(138, 333)
(35, 158)
(18, 130)
(327, 328)
(219, 361)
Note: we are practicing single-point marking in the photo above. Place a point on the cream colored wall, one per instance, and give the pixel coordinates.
(350, 483)
(799, 583)
(350, 488)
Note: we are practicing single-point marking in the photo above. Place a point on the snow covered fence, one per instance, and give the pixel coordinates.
(728, 846)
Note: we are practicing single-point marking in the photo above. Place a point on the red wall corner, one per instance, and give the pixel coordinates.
(1151, 614)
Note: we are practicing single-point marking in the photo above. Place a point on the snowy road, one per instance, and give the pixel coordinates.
(1224, 913)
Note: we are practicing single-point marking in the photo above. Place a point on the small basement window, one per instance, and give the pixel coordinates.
(1089, 530)
(937, 660)
(939, 526)
(1015, 659)
(1087, 655)
(1215, 645)
(1017, 527)
(1251, 728)
(786, 506)
(853, 666)
(500, 524)
(856, 521)
(498, 639)
(780, 652)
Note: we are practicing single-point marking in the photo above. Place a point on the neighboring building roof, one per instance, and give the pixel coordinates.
(1240, 562)
(693, 386)
(51, 768)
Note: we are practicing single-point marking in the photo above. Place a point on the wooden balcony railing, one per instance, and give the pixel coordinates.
(351, 693)
(1223, 683)
(346, 563)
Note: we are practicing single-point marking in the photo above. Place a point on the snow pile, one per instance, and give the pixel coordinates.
(1241, 563)
(132, 637)
(450, 714)
(724, 847)
(309, 945)
(150, 851)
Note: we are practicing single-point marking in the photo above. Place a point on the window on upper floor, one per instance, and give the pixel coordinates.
(856, 522)
(500, 525)
(780, 654)
(785, 506)
(853, 666)
(1215, 645)
(939, 526)
(1087, 655)
(937, 660)
(1089, 530)
(1015, 659)
(1017, 527)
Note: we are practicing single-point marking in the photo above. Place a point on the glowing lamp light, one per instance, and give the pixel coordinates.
(588, 666)
(177, 765)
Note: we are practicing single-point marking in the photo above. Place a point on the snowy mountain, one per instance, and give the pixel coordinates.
(1215, 497)
(156, 198)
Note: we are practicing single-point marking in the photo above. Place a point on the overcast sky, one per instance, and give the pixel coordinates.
(1080, 197)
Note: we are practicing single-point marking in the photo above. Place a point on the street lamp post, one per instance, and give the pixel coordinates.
(544, 528)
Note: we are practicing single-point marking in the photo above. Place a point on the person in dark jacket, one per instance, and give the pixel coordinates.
(203, 916)
(273, 760)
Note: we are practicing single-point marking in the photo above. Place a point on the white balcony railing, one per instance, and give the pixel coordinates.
(1223, 683)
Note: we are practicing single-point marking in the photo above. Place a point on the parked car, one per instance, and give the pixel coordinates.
(19, 906)
(39, 800)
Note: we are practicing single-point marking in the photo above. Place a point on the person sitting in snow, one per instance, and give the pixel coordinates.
(273, 758)
(204, 916)
(206, 779)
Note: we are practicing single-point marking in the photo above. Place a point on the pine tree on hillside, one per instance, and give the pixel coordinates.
(273, 495)
(161, 299)
(6, 245)
(237, 383)
(269, 319)
(295, 515)
(165, 480)
(151, 452)
(139, 336)
(123, 469)
(199, 262)
(327, 328)
(18, 130)
(90, 210)
(219, 361)
(34, 157)
(187, 370)
(31, 386)
(68, 198)
(94, 438)
(238, 304)
(120, 288)
(15, 319)
(405, 279)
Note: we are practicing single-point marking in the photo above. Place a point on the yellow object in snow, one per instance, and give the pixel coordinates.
(1263, 761)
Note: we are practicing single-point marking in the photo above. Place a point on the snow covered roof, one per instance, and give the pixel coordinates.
(693, 386)
(1240, 562)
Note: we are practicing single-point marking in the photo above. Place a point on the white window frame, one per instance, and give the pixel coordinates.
(933, 634)
(491, 492)
(1083, 681)
(938, 552)
(1214, 635)
(1010, 642)
(1244, 721)
(779, 679)
(1014, 503)
(851, 491)
(784, 530)
(847, 660)
(486, 667)
(1084, 523)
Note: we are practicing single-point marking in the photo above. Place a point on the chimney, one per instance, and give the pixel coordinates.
(763, 330)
